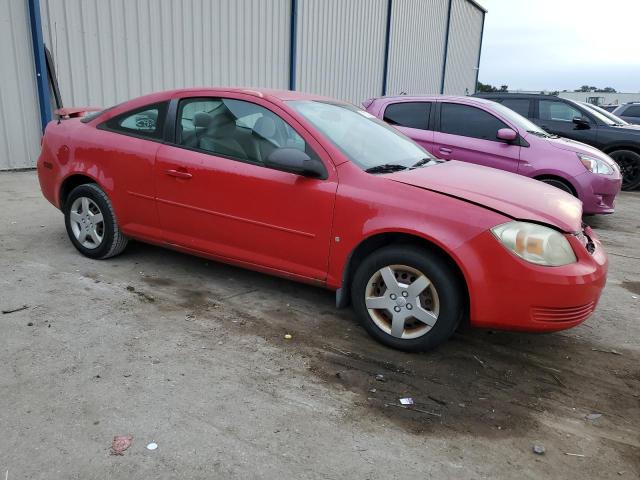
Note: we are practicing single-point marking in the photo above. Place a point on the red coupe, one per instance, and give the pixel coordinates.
(320, 191)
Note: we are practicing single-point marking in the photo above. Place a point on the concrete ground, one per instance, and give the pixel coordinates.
(191, 354)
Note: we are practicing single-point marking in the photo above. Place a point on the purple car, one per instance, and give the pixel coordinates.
(487, 133)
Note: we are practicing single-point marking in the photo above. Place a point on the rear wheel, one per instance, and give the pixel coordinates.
(629, 163)
(407, 298)
(91, 223)
(556, 182)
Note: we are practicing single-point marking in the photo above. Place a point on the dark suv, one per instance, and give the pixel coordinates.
(573, 120)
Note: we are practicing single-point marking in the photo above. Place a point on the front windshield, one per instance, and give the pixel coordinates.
(607, 117)
(517, 119)
(366, 141)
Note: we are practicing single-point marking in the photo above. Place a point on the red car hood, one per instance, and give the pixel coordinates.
(516, 196)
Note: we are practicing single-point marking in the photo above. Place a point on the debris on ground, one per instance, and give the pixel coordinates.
(484, 365)
(413, 409)
(120, 444)
(288, 336)
(14, 310)
(538, 449)
(30, 324)
(574, 454)
(437, 400)
(406, 401)
(615, 352)
(152, 446)
(380, 378)
(593, 416)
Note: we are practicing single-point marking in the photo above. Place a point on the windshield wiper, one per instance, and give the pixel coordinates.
(422, 162)
(386, 168)
(543, 134)
(537, 133)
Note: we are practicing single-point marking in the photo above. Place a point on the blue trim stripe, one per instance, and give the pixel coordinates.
(42, 79)
(293, 44)
(446, 48)
(387, 40)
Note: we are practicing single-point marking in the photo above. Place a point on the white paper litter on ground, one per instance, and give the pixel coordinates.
(406, 401)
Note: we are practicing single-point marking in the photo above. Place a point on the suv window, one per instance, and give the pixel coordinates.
(146, 122)
(558, 111)
(631, 111)
(468, 121)
(518, 105)
(408, 114)
(234, 128)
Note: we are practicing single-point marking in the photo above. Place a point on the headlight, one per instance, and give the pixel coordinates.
(535, 243)
(595, 165)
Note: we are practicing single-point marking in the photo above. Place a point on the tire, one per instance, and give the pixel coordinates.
(442, 301)
(629, 163)
(91, 223)
(556, 182)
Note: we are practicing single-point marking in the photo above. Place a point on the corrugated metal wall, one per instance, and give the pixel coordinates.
(416, 49)
(340, 50)
(465, 35)
(107, 51)
(19, 113)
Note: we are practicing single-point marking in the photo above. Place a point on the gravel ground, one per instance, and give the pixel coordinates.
(191, 354)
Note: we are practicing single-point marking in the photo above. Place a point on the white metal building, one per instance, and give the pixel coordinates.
(101, 52)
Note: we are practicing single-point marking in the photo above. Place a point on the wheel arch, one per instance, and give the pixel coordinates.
(379, 240)
(70, 182)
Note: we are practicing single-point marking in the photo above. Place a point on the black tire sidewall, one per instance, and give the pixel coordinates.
(439, 272)
(559, 184)
(91, 191)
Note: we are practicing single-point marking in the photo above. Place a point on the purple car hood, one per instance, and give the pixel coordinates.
(575, 146)
(510, 194)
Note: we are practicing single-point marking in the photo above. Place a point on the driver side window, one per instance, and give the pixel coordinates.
(467, 121)
(558, 111)
(234, 129)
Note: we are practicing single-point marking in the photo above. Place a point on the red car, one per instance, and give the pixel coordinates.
(322, 192)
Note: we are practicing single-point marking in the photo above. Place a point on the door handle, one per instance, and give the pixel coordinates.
(178, 174)
(445, 150)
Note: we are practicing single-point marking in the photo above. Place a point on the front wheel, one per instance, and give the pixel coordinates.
(629, 163)
(408, 298)
(554, 182)
(91, 222)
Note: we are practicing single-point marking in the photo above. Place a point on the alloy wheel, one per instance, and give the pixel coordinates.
(629, 168)
(87, 222)
(402, 301)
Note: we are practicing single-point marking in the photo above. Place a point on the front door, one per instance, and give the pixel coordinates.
(468, 134)
(216, 196)
(557, 117)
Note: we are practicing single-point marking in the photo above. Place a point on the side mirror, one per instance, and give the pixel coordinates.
(581, 123)
(295, 161)
(507, 134)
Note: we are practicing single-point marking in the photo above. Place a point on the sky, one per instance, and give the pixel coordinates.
(561, 44)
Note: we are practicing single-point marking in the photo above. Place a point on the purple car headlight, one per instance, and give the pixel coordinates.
(595, 165)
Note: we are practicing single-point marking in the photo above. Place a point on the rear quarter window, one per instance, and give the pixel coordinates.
(143, 122)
